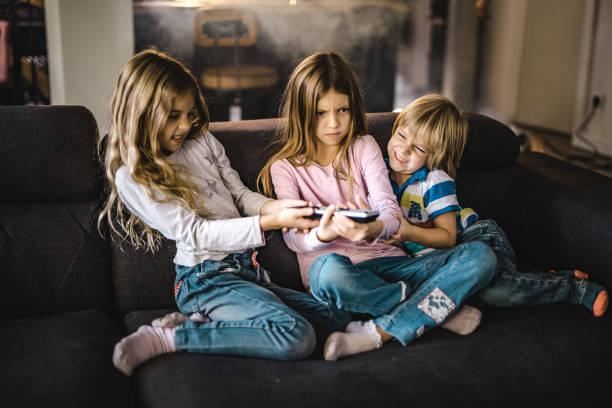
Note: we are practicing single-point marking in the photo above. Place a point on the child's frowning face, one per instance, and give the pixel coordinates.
(407, 154)
(180, 119)
(333, 118)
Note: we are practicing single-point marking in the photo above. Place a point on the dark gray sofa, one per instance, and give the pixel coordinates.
(68, 293)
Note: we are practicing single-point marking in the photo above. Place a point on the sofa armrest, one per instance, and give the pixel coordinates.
(559, 216)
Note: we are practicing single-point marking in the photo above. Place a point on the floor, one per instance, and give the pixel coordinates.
(560, 146)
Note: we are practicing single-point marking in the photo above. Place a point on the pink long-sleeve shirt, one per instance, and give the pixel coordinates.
(318, 184)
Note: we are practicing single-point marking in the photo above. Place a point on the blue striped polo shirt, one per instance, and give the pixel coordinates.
(424, 196)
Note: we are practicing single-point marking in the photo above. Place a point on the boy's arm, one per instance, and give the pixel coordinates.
(441, 206)
(442, 234)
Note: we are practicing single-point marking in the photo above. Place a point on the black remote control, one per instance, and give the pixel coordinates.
(361, 216)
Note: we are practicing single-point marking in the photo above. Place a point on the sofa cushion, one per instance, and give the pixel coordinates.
(568, 215)
(485, 190)
(490, 144)
(53, 258)
(48, 154)
(549, 355)
(63, 360)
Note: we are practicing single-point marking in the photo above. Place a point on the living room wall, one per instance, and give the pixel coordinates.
(88, 41)
(530, 68)
(594, 77)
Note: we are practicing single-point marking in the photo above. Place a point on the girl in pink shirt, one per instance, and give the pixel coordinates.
(325, 156)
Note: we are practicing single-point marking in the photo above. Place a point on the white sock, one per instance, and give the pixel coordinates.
(170, 320)
(403, 291)
(200, 317)
(358, 338)
(464, 321)
(141, 346)
(174, 319)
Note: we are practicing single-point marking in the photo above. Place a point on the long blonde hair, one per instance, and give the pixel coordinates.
(295, 139)
(141, 103)
(442, 125)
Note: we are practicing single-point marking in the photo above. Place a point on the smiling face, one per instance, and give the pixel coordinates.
(333, 119)
(407, 154)
(180, 119)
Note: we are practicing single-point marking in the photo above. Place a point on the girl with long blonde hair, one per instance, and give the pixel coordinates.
(172, 178)
(324, 155)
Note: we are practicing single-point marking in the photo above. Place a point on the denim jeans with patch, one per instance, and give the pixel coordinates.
(251, 316)
(510, 287)
(436, 285)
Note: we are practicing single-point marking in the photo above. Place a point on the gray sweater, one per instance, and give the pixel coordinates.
(233, 223)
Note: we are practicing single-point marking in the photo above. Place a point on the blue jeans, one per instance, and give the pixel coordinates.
(436, 285)
(510, 287)
(250, 315)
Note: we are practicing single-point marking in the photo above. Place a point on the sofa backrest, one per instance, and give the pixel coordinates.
(52, 258)
(144, 280)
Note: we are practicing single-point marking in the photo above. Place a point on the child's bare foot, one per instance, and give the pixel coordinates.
(358, 338)
(141, 346)
(464, 321)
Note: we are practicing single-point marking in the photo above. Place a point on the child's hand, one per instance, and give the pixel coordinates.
(287, 214)
(355, 231)
(403, 232)
(441, 233)
(393, 242)
(274, 206)
(327, 230)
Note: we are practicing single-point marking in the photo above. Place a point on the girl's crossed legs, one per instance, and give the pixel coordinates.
(434, 285)
(250, 316)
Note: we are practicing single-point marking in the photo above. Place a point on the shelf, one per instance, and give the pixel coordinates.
(30, 77)
(35, 3)
(35, 77)
(40, 23)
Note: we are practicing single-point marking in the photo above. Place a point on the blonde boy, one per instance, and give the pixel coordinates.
(428, 139)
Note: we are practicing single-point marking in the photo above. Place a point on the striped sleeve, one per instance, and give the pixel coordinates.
(439, 196)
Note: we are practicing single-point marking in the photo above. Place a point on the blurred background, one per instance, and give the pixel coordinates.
(540, 66)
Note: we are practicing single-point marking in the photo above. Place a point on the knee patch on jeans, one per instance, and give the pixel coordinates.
(437, 305)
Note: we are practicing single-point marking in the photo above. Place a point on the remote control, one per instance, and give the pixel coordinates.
(361, 216)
